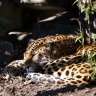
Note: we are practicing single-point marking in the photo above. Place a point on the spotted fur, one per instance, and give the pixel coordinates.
(72, 69)
(75, 74)
(59, 46)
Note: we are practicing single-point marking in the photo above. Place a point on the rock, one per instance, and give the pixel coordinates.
(6, 53)
(50, 3)
(20, 36)
(20, 41)
(61, 23)
(94, 94)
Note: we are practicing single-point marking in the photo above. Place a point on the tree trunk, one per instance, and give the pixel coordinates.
(88, 25)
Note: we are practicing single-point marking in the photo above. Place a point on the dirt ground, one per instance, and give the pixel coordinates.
(17, 86)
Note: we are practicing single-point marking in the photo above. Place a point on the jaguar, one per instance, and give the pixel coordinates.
(50, 48)
(44, 50)
(69, 69)
(76, 74)
(60, 44)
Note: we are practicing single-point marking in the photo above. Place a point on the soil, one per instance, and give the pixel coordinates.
(20, 86)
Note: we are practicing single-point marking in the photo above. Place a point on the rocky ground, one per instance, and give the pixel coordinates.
(18, 87)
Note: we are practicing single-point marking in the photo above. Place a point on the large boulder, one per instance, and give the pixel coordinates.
(61, 23)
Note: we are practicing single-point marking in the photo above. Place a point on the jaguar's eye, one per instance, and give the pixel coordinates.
(40, 54)
(48, 46)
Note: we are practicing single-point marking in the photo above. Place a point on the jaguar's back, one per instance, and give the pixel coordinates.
(61, 45)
